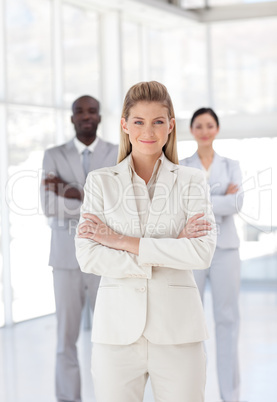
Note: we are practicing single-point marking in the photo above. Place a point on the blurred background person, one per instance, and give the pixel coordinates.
(66, 167)
(224, 177)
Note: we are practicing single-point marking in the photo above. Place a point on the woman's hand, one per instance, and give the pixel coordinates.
(195, 227)
(94, 229)
(232, 189)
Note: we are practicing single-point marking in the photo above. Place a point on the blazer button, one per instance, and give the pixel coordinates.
(142, 289)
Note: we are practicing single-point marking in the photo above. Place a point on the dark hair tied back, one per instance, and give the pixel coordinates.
(204, 110)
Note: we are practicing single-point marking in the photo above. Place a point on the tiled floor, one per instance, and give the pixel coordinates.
(27, 354)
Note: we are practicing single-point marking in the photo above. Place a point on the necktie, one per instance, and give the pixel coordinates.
(86, 153)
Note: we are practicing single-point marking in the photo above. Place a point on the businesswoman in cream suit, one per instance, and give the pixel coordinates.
(146, 223)
(224, 177)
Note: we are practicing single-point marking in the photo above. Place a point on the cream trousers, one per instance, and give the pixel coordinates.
(177, 372)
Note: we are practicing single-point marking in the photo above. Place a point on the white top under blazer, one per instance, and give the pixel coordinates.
(153, 294)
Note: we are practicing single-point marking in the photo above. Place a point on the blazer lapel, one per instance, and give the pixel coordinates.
(216, 169)
(163, 188)
(74, 162)
(96, 160)
(128, 204)
(195, 161)
(216, 166)
(166, 179)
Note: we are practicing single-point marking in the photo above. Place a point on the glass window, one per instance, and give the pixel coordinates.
(177, 58)
(69, 130)
(28, 51)
(156, 55)
(244, 57)
(30, 131)
(81, 53)
(131, 54)
(183, 64)
(1, 282)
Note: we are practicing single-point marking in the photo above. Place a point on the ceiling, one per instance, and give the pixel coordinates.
(166, 14)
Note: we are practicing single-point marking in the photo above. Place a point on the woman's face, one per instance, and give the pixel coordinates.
(204, 129)
(148, 127)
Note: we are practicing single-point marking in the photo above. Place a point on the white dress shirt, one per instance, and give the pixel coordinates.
(144, 192)
(81, 146)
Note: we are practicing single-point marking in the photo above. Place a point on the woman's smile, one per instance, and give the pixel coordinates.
(148, 128)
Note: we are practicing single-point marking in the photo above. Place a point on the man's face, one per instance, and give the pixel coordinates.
(86, 117)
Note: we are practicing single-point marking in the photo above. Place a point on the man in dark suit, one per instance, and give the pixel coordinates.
(66, 167)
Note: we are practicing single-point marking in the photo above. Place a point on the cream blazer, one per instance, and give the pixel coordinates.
(153, 294)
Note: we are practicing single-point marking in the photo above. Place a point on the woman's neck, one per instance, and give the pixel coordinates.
(206, 155)
(144, 166)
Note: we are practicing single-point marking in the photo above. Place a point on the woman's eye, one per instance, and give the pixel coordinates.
(138, 122)
(159, 122)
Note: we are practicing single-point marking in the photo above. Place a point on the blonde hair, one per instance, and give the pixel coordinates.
(151, 91)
